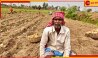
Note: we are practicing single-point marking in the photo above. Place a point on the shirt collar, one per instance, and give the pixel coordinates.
(61, 31)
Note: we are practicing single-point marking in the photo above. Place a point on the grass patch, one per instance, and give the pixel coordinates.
(6, 10)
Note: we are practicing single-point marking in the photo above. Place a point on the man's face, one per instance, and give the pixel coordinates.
(57, 21)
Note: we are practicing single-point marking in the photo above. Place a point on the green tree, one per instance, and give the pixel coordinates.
(71, 12)
(22, 6)
(45, 5)
(63, 8)
(14, 5)
(89, 10)
(39, 7)
(34, 7)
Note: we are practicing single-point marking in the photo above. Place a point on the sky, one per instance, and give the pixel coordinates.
(66, 4)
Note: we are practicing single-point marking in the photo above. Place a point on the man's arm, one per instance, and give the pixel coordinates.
(67, 46)
(43, 42)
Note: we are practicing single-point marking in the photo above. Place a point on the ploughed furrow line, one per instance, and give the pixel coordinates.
(34, 27)
(16, 42)
(16, 23)
(8, 40)
(19, 30)
(37, 28)
(25, 42)
(10, 17)
(12, 20)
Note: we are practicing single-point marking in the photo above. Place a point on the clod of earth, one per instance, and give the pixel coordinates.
(93, 34)
(34, 38)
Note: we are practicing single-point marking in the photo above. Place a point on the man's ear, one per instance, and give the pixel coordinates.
(52, 22)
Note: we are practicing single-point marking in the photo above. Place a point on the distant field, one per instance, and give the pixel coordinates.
(6, 10)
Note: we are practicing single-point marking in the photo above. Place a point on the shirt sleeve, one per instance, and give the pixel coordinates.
(67, 46)
(43, 43)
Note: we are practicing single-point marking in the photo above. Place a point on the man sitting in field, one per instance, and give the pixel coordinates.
(55, 39)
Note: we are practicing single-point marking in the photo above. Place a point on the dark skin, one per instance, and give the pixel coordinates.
(57, 24)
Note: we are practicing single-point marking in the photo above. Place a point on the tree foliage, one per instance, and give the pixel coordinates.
(63, 8)
(89, 10)
(45, 5)
(71, 12)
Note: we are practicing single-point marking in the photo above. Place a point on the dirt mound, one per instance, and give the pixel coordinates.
(14, 32)
(93, 34)
(34, 38)
(81, 44)
(94, 16)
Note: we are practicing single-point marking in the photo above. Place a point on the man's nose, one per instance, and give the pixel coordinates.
(57, 20)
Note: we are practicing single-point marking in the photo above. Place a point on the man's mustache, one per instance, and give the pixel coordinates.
(57, 25)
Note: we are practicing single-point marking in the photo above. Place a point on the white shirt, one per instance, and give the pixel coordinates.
(60, 42)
